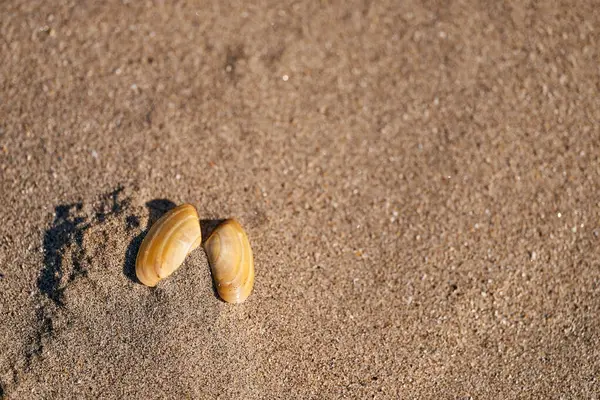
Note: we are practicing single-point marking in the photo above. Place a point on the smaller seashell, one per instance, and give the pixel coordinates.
(231, 262)
(168, 242)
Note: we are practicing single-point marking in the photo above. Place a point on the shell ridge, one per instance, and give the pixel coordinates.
(239, 269)
(217, 236)
(245, 249)
(152, 234)
(243, 259)
(169, 235)
(167, 243)
(250, 275)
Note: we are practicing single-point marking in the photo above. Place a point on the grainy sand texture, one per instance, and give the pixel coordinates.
(419, 181)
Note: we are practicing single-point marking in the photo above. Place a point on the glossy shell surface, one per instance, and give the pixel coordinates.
(167, 243)
(231, 262)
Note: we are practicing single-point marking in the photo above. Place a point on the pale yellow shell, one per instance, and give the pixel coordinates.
(231, 263)
(166, 245)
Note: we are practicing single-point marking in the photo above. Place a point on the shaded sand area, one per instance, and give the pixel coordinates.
(419, 182)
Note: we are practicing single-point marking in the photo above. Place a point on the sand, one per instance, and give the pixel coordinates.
(419, 182)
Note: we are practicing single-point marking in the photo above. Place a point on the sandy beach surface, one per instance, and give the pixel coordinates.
(419, 181)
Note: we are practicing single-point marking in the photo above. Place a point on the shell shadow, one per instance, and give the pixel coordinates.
(157, 208)
(207, 226)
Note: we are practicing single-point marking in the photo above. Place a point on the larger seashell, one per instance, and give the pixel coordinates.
(166, 245)
(231, 263)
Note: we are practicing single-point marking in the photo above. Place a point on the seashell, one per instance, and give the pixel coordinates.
(231, 263)
(166, 245)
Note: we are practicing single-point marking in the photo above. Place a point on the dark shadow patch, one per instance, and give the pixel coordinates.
(132, 222)
(156, 208)
(130, 256)
(208, 226)
(66, 228)
(1, 391)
